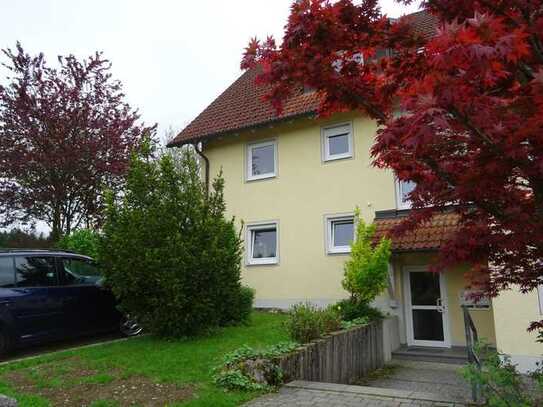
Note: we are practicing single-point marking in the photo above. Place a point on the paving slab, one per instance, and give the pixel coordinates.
(301, 393)
(424, 377)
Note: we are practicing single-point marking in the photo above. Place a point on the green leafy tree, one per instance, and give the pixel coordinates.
(82, 241)
(366, 272)
(169, 254)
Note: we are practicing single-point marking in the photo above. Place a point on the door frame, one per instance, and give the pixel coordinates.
(411, 341)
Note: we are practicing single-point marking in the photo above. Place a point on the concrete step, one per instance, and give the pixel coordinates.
(431, 355)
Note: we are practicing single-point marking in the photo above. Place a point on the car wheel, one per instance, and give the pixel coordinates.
(129, 326)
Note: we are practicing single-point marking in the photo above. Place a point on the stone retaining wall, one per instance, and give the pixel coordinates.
(341, 357)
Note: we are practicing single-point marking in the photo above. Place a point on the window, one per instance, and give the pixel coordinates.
(340, 233)
(79, 272)
(403, 189)
(261, 160)
(7, 273)
(262, 243)
(33, 271)
(337, 142)
(540, 291)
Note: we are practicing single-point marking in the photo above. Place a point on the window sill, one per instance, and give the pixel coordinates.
(261, 177)
(337, 251)
(338, 157)
(263, 262)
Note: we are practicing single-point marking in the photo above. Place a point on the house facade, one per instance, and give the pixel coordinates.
(293, 182)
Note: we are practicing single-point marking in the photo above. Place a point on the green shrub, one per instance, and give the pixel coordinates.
(307, 322)
(304, 323)
(355, 323)
(82, 241)
(172, 259)
(330, 320)
(366, 272)
(242, 311)
(500, 383)
(248, 369)
(350, 310)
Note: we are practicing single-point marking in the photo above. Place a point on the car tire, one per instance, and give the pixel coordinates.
(129, 327)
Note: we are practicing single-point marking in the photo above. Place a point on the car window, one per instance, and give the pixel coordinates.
(79, 271)
(7, 274)
(35, 271)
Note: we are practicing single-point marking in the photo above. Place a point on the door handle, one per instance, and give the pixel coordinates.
(440, 307)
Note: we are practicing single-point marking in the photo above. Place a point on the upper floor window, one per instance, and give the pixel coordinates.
(262, 160)
(403, 189)
(340, 233)
(540, 291)
(337, 142)
(262, 243)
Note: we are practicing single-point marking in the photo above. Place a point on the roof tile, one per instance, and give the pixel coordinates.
(241, 105)
(430, 235)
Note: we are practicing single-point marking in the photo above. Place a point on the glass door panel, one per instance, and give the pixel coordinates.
(426, 309)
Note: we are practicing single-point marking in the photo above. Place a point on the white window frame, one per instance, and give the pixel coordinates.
(399, 201)
(327, 132)
(540, 294)
(250, 228)
(329, 222)
(249, 160)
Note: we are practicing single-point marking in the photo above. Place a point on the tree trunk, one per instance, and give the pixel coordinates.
(56, 232)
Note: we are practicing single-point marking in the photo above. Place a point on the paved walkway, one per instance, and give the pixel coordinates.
(315, 394)
(402, 384)
(427, 377)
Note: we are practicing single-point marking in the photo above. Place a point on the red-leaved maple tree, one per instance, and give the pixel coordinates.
(66, 133)
(460, 113)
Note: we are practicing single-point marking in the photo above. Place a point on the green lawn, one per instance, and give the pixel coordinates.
(144, 370)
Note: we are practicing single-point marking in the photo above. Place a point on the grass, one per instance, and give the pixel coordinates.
(181, 362)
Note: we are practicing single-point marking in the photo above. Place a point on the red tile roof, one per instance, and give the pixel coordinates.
(423, 23)
(241, 106)
(428, 236)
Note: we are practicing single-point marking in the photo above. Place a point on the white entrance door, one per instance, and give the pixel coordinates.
(426, 308)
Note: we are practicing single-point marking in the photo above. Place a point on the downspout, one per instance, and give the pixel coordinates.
(199, 149)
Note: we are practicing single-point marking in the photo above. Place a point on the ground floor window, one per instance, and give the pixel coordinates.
(262, 243)
(340, 233)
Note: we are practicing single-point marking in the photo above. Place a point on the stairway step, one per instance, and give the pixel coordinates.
(430, 356)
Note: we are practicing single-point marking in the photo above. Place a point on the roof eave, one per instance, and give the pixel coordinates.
(207, 137)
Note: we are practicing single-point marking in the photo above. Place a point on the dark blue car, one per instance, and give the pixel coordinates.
(48, 295)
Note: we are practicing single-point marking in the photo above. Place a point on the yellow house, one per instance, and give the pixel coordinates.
(294, 181)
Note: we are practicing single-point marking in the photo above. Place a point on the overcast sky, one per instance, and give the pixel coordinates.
(173, 57)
